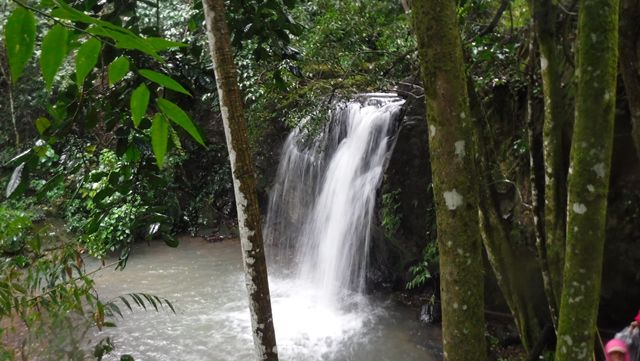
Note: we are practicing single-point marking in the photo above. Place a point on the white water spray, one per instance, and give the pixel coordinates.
(319, 220)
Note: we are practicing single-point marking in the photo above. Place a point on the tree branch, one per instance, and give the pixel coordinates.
(496, 18)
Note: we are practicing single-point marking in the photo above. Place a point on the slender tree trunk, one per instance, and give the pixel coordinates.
(556, 117)
(12, 111)
(630, 62)
(589, 177)
(518, 280)
(461, 269)
(244, 182)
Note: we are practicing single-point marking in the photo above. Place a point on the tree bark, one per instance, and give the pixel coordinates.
(517, 278)
(556, 117)
(630, 62)
(597, 59)
(456, 198)
(244, 181)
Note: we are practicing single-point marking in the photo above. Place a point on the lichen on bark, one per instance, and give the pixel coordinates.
(597, 58)
(557, 116)
(244, 181)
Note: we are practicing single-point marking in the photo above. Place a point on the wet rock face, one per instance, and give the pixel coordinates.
(430, 313)
(407, 188)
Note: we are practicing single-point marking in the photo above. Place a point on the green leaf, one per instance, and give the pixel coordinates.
(163, 80)
(54, 50)
(42, 124)
(159, 44)
(125, 39)
(159, 138)
(118, 69)
(178, 116)
(51, 183)
(139, 103)
(170, 240)
(20, 37)
(86, 59)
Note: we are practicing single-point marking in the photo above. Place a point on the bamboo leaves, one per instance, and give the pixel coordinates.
(67, 30)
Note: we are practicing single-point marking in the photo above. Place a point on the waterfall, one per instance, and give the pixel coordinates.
(321, 208)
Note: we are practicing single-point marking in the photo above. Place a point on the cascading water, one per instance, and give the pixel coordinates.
(320, 214)
(317, 228)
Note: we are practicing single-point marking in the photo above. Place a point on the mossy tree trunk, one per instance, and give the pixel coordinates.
(630, 62)
(551, 246)
(588, 177)
(244, 181)
(518, 279)
(456, 199)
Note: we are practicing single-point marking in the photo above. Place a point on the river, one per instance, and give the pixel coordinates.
(205, 283)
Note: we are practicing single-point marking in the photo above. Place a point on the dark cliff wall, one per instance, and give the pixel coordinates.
(405, 219)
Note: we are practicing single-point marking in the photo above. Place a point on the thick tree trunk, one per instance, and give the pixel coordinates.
(556, 117)
(588, 177)
(461, 270)
(630, 62)
(244, 182)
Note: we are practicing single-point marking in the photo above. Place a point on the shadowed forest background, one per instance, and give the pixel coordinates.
(111, 136)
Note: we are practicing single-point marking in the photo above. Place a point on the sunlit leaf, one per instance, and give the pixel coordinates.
(139, 103)
(86, 59)
(54, 50)
(178, 116)
(159, 138)
(163, 80)
(160, 44)
(118, 69)
(20, 36)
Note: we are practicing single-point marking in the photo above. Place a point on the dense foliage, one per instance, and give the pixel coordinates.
(110, 133)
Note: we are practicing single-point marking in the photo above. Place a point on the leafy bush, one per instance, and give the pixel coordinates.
(425, 269)
(15, 225)
(391, 216)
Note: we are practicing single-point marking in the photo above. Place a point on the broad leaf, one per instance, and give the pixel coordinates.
(159, 44)
(42, 124)
(178, 116)
(16, 179)
(118, 69)
(163, 80)
(54, 50)
(20, 37)
(86, 59)
(139, 103)
(159, 138)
